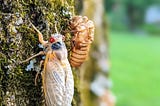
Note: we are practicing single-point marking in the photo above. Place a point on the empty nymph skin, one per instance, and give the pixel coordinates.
(83, 31)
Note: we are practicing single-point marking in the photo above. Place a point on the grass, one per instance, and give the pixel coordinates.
(135, 69)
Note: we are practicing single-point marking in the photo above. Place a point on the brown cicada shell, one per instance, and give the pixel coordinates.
(83, 31)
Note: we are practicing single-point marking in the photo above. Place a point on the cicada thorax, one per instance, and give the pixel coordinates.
(83, 31)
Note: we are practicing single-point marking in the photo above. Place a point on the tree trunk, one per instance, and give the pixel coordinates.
(18, 41)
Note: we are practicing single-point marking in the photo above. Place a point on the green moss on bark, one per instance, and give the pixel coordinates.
(18, 41)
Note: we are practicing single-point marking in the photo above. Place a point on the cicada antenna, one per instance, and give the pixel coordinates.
(40, 36)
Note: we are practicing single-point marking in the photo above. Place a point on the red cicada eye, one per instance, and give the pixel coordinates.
(51, 40)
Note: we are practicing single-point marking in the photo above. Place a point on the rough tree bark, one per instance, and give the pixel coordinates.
(18, 41)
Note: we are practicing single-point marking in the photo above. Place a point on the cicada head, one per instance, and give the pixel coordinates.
(57, 37)
(56, 41)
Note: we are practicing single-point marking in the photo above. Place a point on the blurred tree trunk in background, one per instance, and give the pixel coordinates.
(97, 64)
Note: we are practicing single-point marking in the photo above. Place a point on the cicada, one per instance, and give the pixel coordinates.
(57, 78)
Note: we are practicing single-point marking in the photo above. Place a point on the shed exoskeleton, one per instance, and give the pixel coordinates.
(83, 31)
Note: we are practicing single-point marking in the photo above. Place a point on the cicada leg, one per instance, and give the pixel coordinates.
(41, 63)
(48, 55)
(40, 53)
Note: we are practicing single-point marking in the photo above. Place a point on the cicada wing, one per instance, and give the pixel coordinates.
(54, 84)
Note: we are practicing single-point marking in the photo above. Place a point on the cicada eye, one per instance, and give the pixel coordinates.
(51, 40)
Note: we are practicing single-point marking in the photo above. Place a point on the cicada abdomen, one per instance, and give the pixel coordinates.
(83, 31)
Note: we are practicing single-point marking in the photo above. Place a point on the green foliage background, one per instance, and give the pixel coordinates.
(18, 41)
(130, 14)
(135, 68)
